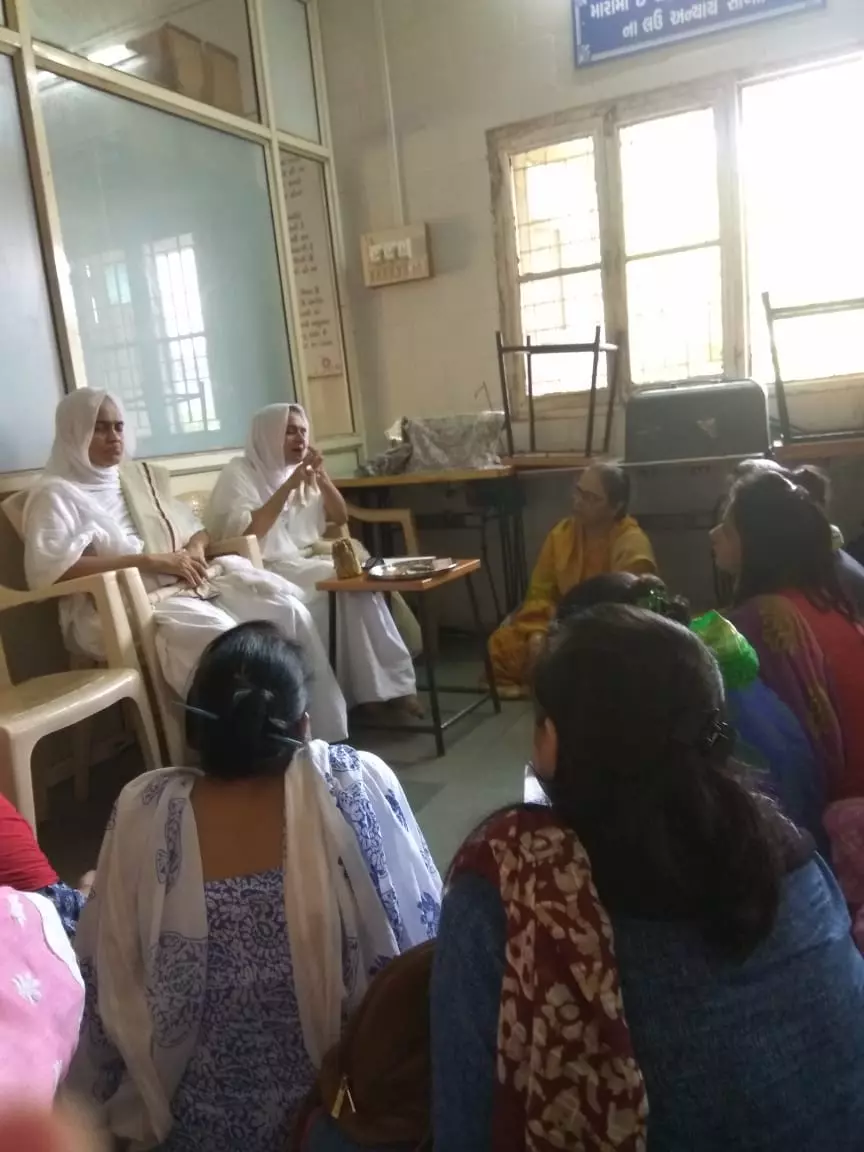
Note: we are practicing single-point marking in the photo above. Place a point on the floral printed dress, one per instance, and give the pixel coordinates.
(226, 1034)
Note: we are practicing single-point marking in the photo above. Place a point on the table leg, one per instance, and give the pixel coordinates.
(510, 604)
(481, 635)
(429, 652)
(332, 638)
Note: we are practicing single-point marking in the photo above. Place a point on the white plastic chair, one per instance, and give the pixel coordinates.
(140, 605)
(45, 704)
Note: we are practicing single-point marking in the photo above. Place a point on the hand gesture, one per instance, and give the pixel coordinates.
(180, 565)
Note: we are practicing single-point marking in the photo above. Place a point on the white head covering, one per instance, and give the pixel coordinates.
(74, 422)
(265, 445)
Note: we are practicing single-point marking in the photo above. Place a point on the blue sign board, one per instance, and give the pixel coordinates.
(607, 28)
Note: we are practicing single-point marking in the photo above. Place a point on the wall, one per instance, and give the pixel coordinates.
(458, 69)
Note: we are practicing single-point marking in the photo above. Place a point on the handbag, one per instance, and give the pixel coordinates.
(375, 1083)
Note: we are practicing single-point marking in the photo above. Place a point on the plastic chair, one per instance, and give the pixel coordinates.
(46, 704)
(140, 604)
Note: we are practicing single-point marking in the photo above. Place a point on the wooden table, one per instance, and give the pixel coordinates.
(497, 495)
(420, 589)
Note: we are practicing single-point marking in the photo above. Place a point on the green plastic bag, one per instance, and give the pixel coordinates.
(738, 661)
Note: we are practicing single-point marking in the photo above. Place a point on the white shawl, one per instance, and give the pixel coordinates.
(74, 505)
(329, 896)
(249, 481)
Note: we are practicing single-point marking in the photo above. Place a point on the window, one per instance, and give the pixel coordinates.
(804, 221)
(558, 248)
(672, 247)
(666, 228)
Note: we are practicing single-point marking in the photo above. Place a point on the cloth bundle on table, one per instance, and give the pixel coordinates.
(209, 1005)
(373, 661)
(568, 558)
(76, 508)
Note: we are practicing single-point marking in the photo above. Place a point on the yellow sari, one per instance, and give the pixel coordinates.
(566, 559)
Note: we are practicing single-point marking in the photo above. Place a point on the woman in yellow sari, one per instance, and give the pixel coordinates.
(599, 537)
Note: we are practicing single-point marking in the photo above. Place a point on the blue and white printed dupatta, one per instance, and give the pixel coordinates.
(359, 882)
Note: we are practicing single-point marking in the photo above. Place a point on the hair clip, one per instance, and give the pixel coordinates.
(716, 732)
(279, 737)
(654, 601)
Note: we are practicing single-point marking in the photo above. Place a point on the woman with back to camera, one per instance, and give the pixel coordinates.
(94, 510)
(280, 491)
(741, 987)
(239, 912)
(598, 537)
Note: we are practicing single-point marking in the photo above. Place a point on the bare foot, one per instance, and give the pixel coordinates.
(513, 692)
(410, 705)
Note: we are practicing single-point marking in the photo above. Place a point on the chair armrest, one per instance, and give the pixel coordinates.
(105, 590)
(246, 546)
(404, 517)
(92, 585)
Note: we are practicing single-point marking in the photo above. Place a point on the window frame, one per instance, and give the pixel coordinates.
(722, 93)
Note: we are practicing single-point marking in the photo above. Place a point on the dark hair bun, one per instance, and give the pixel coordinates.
(650, 592)
(249, 715)
(247, 702)
(814, 482)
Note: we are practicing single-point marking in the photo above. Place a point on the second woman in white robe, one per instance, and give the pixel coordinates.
(279, 491)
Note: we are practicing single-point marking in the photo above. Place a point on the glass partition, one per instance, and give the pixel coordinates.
(31, 381)
(292, 84)
(170, 244)
(200, 49)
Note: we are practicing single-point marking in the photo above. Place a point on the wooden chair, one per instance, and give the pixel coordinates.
(400, 517)
(403, 517)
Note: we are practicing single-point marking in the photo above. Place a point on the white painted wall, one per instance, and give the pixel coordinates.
(459, 68)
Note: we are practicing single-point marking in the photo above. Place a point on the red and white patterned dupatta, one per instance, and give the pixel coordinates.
(567, 1077)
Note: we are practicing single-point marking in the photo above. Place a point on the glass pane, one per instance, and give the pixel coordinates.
(317, 295)
(805, 227)
(563, 310)
(169, 237)
(669, 175)
(816, 347)
(675, 316)
(200, 49)
(292, 84)
(30, 382)
(558, 221)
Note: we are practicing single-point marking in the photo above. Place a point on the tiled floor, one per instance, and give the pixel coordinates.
(482, 771)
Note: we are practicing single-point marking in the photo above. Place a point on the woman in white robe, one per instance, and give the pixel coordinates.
(280, 492)
(77, 522)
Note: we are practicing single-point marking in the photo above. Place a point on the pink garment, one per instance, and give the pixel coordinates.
(844, 823)
(41, 999)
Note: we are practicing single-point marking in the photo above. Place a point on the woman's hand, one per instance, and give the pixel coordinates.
(181, 565)
(305, 471)
(315, 461)
(196, 550)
